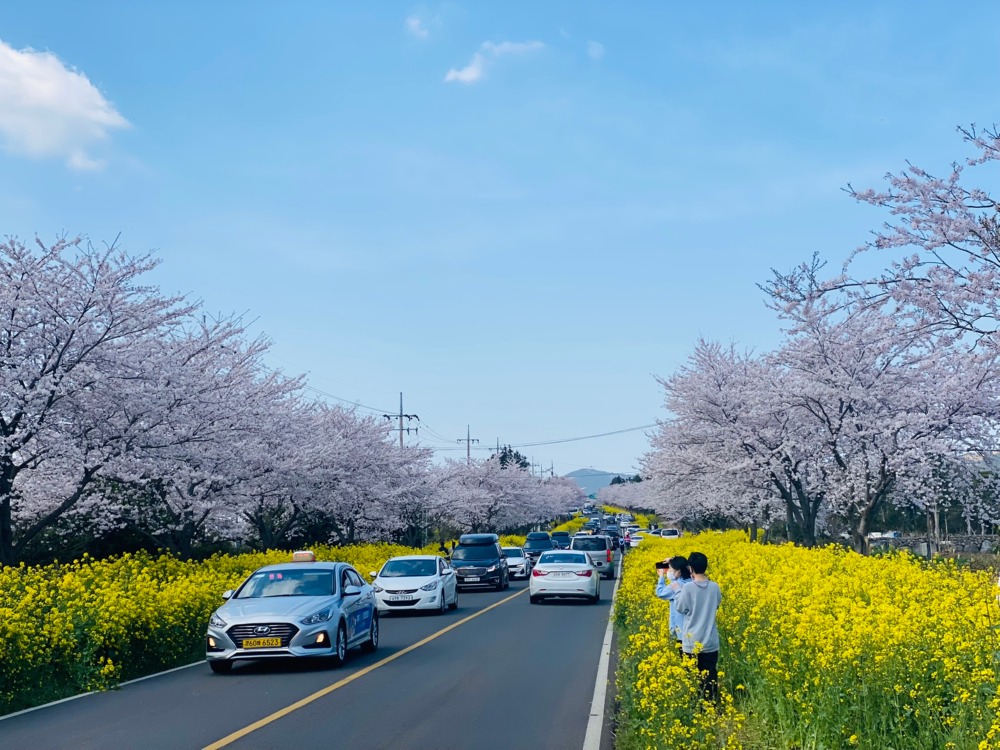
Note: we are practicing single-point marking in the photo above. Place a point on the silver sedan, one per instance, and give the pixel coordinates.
(294, 609)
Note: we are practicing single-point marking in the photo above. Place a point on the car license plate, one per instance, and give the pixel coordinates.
(401, 598)
(472, 579)
(261, 642)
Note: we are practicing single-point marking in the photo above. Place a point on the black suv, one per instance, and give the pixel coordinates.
(478, 561)
(536, 543)
(561, 539)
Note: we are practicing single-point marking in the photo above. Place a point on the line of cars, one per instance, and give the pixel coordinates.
(306, 608)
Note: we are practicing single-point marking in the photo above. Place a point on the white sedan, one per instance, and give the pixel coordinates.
(409, 582)
(635, 540)
(564, 573)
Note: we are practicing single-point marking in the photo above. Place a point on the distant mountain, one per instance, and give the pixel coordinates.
(591, 480)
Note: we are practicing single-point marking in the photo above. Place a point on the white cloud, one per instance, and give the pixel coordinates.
(470, 73)
(50, 110)
(595, 50)
(416, 27)
(476, 68)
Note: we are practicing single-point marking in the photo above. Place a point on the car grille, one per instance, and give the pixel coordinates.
(400, 591)
(410, 603)
(472, 572)
(283, 630)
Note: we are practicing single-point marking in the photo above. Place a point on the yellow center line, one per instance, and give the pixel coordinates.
(240, 733)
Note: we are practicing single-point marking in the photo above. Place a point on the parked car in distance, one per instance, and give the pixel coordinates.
(670, 533)
(518, 563)
(478, 561)
(602, 551)
(561, 539)
(635, 540)
(301, 608)
(536, 543)
(564, 573)
(415, 582)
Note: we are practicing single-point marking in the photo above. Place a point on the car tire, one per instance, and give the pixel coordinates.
(506, 583)
(596, 597)
(221, 667)
(444, 603)
(454, 602)
(340, 645)
(499, 586)
(535, 599)
(371, 644)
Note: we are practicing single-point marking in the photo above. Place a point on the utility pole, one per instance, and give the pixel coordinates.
(400, 416)
(468, 444)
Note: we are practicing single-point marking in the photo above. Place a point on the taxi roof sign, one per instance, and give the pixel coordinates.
(304, 555)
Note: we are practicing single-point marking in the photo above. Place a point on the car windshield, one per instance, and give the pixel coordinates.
(287, 582)
(590, 544)
(404, 568)
(538, 544)
(513, 552)
(564, 558)
(475, 552)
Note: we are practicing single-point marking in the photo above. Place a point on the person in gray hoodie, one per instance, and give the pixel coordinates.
(699, 602)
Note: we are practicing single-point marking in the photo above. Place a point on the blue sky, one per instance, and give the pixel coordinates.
(516, 214)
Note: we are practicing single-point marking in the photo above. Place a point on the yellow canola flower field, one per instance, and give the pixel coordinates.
(87, 625)
(820, 648)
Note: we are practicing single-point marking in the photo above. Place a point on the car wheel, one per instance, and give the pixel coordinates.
(221, 667)
(499, 586)
(535, 599)
(454, 602)
(340, 651)
(596, 597)
(371, 644)
(444, 603)
(506, 582)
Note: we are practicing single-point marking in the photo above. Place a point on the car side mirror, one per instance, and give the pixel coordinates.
(228, 594)
(352, 590)
(373, 573)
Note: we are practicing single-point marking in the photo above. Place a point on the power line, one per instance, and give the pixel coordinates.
(570, 440)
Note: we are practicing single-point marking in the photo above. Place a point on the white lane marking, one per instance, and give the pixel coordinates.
(95, 692)
(595, 724)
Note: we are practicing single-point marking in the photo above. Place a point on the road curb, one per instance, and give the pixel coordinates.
(595, 724)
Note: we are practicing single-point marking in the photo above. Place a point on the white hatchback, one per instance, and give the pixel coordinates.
(415, 582)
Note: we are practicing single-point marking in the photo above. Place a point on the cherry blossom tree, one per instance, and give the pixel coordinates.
(73, 317)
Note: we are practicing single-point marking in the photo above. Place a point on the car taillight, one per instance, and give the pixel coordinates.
(585, 573)
(539, 573)
(609, 554)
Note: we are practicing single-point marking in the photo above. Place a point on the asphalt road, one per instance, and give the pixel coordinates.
(515, 676)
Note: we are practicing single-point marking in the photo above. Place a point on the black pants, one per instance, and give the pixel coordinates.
(708, 667)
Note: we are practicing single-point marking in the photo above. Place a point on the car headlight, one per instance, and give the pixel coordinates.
(322, 616)
(492, 569)
(215, 621)
(377, 589)
(430, 586)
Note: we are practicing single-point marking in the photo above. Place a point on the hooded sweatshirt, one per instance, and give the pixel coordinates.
(698, 602)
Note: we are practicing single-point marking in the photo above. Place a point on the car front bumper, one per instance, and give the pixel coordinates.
(230, 643)
(418, 600)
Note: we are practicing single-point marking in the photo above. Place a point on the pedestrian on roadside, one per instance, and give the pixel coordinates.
(674, 574)
(699, 602)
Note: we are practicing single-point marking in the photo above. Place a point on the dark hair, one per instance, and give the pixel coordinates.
(680, 564)
(698, 563)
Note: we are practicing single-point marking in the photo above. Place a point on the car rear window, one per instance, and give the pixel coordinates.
(563, 558)
(513, 551)
(590, 544)
(538, 544)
